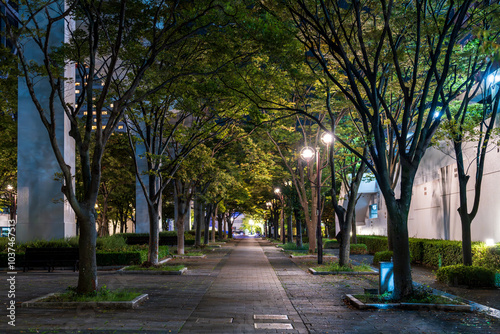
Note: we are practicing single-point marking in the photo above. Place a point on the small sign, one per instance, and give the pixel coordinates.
(373, 211)
(386, 277)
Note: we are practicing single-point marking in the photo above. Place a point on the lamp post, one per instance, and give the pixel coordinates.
(12, 198)
(307, 153)
(268, 226)
(277, 191)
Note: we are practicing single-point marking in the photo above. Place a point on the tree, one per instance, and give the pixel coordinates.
(384, 59)
(110, 39)
(476, 123)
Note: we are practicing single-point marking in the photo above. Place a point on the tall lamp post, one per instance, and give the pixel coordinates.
(12, 198)
(268, 224)
(308, 153)
(277, 191)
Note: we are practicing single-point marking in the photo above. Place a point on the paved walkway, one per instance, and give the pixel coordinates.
(248, 286)
(246, 296)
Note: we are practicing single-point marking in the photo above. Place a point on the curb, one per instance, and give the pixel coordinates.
(410, 306)
(314, 272)
(151, 272)
(36, 303)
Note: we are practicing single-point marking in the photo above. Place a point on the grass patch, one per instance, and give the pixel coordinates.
(163, 252)
(293, 246)
(157, 268)
(102, 295)
(421, 295)
(335, 267)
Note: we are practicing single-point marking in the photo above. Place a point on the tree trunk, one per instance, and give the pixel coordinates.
(298, 225)
(225, 227)
(198, 210)
(290, 227)
(230, 229)
(220, 226)
(154, 235)
(87, 273)
(208, 215)
(214, 218)
(403, 284)
(390, 242)
(344, 240)
(282, 226)
(354, 237)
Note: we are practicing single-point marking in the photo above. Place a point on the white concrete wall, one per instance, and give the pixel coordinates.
(435, 198)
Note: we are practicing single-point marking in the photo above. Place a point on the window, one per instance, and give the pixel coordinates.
(84, 113)
(120, 127)
(77, 91)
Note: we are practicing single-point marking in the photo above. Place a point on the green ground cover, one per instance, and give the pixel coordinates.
(335, 267)
(102, 295)
(157, 268)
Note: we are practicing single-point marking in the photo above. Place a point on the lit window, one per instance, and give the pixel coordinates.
(94, 113)
(94, 127)
(84, 113)
(78, 83)
(104, 112)
(120, 127)
(77, 91)
(103, 127)
(93, 99)
(111, 105)
(95, 120)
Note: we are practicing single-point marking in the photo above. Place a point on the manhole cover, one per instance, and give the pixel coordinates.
(270, 317)
(215, 320)
(273, 326)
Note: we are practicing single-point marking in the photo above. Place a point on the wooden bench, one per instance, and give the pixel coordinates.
(50, 258)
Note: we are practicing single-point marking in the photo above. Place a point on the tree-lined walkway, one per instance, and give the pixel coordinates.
(223, 293)
(246, 296)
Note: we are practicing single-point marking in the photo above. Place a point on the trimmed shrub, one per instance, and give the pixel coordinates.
(118, 258)
(162, 253)
(293, 246)
(112, 243)
(359, 249)
(4, 259)
(488, 257)
(384, 256)
(470, 276)
(448, 251)
(331, 244)
(416, 250)
(374, 243)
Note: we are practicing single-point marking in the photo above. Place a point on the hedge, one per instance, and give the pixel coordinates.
(435, 252)
(103, 258)
(358, 249)
(118, 258)
(470, 276)
(385, 256)
(373, 243)
(166, 238)
(331, 244)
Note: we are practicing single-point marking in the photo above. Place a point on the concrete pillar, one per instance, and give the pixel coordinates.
(43, 212)
(141, 205)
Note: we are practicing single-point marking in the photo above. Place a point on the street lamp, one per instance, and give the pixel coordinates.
(268, 222)
(278, 193)
(12, 197)
(307, 153)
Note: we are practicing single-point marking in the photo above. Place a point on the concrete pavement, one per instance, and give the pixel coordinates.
(249, 286)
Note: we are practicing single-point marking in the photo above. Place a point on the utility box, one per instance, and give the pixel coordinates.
(386, 277)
